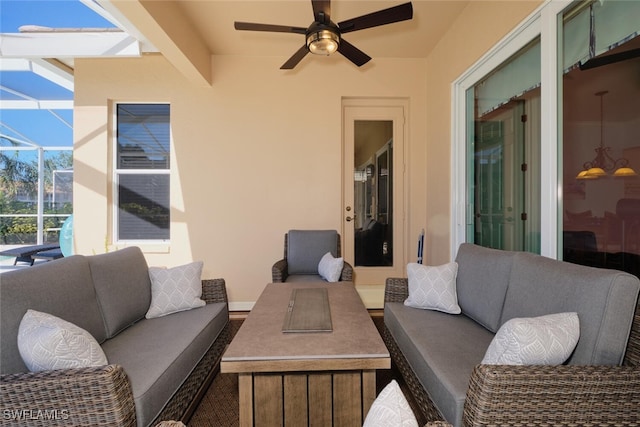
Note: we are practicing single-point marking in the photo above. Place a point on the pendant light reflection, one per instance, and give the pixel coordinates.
(603, 162)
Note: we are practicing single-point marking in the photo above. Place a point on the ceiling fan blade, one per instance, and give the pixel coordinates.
(352, 53)
(321, 9)
(398, 13)
(297, 57)
(249, 26)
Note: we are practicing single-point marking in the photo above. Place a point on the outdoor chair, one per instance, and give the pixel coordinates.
(303, 250)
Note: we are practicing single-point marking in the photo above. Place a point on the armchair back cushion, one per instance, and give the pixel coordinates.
(68, 284)
(305, 249)
(124, 293)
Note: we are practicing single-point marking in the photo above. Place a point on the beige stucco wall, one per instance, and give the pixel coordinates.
(256, 154)
(260, 151)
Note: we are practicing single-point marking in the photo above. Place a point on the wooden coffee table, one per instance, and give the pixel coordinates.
(306, 378)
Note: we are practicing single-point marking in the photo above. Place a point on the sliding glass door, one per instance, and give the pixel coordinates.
(505, 152)
(601, 135)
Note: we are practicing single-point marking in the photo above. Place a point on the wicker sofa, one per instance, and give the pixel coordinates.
(439, 355)
(158, 368)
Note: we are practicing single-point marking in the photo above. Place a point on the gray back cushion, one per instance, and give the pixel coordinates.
(605, 301)
(305, 249)
(62, 288)
(482, 281)
(123, 287)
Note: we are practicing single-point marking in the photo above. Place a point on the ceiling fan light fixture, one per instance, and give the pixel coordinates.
(323, 42)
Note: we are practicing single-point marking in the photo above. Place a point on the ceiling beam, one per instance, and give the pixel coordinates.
(164, 25)
(72, 44)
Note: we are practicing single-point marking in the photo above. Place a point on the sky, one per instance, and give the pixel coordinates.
(43, 127)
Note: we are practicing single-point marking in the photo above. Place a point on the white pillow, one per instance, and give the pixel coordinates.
(544, 340)
(47, 342)
(433, 287)
(330, 268)
(175, 289)
(390, 409)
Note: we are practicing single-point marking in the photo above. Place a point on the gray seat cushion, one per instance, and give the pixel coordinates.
(305, 249)
(123, 287)
(159, 354)
(442, 349)
(482, 281)
(62, 288)
(605, 301)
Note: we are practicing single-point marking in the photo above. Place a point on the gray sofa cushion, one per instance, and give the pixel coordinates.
(62, 288)
(605, 301)
(155, 370)
(483, 278)
(442, 349)
(305, 249)
(123, 287)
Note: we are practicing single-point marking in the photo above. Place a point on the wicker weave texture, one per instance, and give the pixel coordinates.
(79, 397)
(553, 395)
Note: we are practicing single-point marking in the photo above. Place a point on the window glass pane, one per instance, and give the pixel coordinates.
(143, 136)
(503, 125)
(143, 206)
(601, 151)
(19, 181)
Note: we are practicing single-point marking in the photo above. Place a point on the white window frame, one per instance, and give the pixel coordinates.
(545, 22)
(116, 182)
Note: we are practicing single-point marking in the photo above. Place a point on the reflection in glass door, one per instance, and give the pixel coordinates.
(504, 155)
(498, 154)
(373, 198)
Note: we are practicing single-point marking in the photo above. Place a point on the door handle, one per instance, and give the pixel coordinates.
(350, 218)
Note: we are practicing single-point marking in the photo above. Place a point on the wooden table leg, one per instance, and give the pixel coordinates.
(245, 389)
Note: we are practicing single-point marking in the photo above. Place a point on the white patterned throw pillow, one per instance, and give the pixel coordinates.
(433, 287)
(47, 342)
(175, 289)
(544, 340)
(390, 409)
(330, 268)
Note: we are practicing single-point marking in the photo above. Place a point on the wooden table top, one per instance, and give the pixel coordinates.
(260, 344)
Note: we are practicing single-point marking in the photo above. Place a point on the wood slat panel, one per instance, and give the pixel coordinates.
(347, 399)
(296, 410)
(267, 398)
(320, 402)
(245, 388)
(368, 391)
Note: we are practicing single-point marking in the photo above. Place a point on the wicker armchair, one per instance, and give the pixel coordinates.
(566, 395)
(280, 270)
(102, 396)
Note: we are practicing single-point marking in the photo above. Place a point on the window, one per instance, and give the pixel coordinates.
(142, 177)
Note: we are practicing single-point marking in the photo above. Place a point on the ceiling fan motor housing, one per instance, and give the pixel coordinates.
(322, 39)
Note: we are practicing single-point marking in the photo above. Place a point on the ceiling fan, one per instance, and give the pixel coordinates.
(324, 37)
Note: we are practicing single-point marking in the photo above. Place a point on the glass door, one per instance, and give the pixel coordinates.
(373, 191)
(503, 151)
